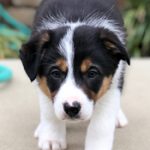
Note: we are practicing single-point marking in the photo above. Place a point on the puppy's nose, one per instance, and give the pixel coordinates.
(72, 111)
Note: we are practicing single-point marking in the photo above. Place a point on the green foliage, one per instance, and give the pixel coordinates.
(10, 42)
(12, 34)
(137, 21)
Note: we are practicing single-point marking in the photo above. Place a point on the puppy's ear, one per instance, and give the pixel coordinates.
(114, 45)
(30, 53)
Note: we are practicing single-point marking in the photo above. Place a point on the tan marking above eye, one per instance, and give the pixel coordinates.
(44, 87)
(103, 89)
(109, 45)
(45, 37)
(62, 64)
(85, 65)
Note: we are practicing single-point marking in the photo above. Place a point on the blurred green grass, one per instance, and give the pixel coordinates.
(10, 42)
(137, 23)
(12, 34)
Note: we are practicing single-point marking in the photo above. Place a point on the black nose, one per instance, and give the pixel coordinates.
(72, 111)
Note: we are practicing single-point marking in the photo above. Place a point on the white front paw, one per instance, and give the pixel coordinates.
(50, 137)
(121, 120)
(98, 146)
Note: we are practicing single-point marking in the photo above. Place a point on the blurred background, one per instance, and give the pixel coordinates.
(19, 114)
(16, 18)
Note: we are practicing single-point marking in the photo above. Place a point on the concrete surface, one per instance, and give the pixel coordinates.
(31, 3)
(19, 112)
(22, 14)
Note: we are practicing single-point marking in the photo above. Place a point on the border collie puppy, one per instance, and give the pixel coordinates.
(77, 55)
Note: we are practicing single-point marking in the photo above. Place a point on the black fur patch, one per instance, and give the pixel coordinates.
(38, 58)
(50, 57)
(89, 44)
(76, 10)
(101, 46)
(122, 78)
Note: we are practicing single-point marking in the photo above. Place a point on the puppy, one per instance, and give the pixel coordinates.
(77, 56)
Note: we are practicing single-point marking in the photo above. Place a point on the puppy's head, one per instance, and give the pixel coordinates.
(74, 67)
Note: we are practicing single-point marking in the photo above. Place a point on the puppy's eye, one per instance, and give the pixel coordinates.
(56, 73)
(92, 73)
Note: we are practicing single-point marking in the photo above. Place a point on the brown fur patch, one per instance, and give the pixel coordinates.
(61, 63)
(109, 45)
(45, 37)
(43, 86)
(105, 86)
(85, 65)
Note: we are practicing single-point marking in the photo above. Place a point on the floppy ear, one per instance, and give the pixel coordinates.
(114, 45)
(30, 53)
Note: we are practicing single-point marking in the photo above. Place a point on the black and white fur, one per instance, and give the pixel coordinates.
(75, 30)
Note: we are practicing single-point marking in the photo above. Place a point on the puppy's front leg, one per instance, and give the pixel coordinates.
(51, 132)
(101, 129)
